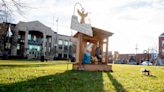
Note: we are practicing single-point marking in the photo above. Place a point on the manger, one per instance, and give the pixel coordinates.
(99, 35)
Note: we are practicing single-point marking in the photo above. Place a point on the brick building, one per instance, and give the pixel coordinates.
(161, 49)
(138, 58)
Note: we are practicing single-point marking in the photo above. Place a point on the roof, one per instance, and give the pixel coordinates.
(98, 34)
(162, 35)
(109, 52)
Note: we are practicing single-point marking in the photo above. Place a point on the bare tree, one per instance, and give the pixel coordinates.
(17, 6)
(7, 15)
(4, 18)
(72, 49)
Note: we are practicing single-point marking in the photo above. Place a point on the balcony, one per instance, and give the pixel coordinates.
(35, 42)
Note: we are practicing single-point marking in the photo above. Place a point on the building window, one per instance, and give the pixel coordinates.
(60, 55)
(65, 47)
(151, 61)
(9, 45)
(49, 49)
(70, 43)
(49, 40)
(141, 60)
(59, 50)
(19, 36)
(66, 43)
(60, 46)
(46, 39)
(29, 36)
(65, 51)
(18, 46)
(45, 49)
(60, 42)
(162, 51)
(65, 55)
(163, 43)
(35, 38)
(162, 61)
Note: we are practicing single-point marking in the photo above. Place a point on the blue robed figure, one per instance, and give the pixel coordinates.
(87, 53)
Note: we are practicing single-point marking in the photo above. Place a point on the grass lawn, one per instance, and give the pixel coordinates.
(33, 76)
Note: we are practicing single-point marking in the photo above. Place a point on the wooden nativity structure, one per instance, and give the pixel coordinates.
(99, 35)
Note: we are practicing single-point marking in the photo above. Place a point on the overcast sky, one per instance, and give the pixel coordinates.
(132, 21)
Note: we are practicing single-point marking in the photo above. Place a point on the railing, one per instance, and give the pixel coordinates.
(34, 42)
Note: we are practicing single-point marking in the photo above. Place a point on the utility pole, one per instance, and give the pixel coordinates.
(148, 56)
(136, 52)
(56, 38)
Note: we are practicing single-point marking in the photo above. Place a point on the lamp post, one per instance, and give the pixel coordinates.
(148, 56)
(71, 30)
(146, 52)
(136, 53)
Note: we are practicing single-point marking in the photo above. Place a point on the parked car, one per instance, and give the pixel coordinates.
(147, 63)
(73, 59)
(132, 63)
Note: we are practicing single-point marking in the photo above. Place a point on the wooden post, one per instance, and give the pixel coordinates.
(106, 54)
(77, 49)
(101, 47)
(80, 47)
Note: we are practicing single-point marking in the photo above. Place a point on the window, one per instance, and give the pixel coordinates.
(151, 60)
(65, 47)
(141, 60)
(46, 39)
(162, 61)
(60, 42)
(59, 50)
(60, 55)
(65, 51)
(18, 46)
(163, 43)
(65, 55)
(66, 43)
(19, 36)
(162, 51)
(29, 36)
(9, 45)
(70, 43)
(49, 49)
(60, 46)
(45, 49)
(35, 38)
(49, 40)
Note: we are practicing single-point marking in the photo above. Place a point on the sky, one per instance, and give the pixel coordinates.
(132, 21)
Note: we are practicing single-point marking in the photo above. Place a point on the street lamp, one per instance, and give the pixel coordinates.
(146, 52)
(136, 53)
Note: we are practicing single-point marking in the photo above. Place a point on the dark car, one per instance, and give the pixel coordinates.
(73, 58)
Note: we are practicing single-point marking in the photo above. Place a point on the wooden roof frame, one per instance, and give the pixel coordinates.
(98, 34)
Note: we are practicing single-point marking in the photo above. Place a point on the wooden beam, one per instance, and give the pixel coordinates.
(93, 67)
(101, 47)
(106, 55)
(80, 51)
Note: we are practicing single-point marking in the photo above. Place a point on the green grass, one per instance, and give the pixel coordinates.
(32, 76)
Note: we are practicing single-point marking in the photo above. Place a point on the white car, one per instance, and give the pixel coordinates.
(146, 63)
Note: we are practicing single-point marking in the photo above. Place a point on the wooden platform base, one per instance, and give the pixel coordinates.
(93, 67)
